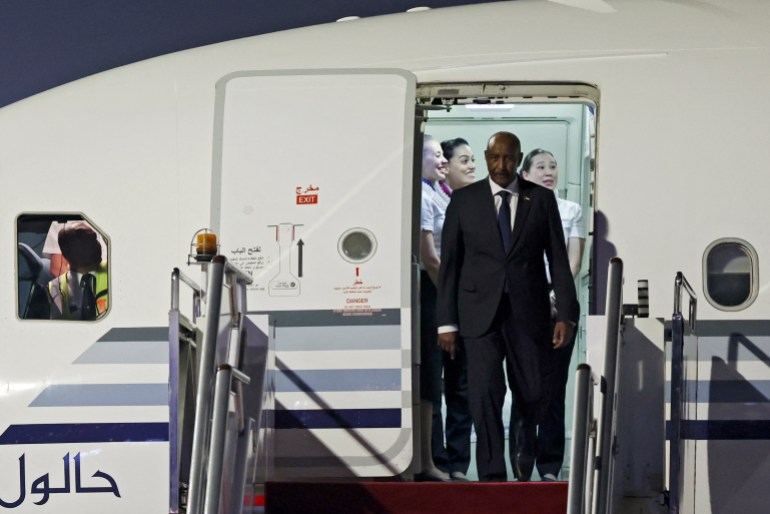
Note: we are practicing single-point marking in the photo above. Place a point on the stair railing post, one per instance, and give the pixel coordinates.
(203, 399)
(581, 463)
(614, 315)
(678, 394)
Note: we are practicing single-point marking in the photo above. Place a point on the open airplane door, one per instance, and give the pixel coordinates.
(312, 194)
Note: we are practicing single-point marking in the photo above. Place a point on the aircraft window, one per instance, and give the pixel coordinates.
(61, 268)
(730, 274)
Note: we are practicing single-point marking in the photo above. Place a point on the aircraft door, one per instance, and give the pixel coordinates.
(312, 195)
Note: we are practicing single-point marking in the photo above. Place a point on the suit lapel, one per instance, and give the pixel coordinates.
(522, 211)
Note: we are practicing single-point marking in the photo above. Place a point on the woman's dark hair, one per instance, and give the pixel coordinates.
(527, 162)
(448, 146)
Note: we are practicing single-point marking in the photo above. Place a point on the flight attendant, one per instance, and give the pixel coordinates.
(540, 167)
(432, 211)
(452, 435)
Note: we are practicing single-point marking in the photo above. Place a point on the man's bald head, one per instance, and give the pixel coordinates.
(503, 155)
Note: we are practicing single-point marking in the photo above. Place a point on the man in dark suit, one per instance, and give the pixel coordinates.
(493, 290)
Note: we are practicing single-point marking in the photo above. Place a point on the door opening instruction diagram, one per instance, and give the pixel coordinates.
(285, 283)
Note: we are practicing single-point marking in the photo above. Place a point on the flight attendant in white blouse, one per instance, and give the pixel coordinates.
(540, 166)
(432, 210)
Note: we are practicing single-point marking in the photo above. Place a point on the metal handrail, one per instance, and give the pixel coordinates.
(224, 381)
(205, 376)
(678, 394)
(216, 385)
(199, 292)
(176, 337)
(614, 316)
(241, 275)
(583, 430)
(237, 309)
(679, 283)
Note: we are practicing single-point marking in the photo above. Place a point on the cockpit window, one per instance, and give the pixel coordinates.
(730, 270)
(62, 271)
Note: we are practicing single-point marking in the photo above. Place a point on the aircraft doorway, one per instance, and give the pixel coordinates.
(560, 119)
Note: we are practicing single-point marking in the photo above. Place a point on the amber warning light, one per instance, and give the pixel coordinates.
(205, 244)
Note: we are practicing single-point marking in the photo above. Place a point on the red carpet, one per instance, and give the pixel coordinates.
(415, 498)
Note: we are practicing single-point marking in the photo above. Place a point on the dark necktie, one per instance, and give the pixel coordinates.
(504, 219)
(88, 307)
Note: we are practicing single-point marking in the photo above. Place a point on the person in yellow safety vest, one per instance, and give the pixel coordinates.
(81, 293)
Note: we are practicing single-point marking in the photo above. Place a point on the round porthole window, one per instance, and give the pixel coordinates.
(357, 245)
(730, 272)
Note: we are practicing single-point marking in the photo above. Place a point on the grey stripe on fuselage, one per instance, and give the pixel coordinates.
(376, 337)
(404, 438)
(754, 392)
(332, 318)
(727, 327)
(136, 334)
(125, 352)
(710, 347)
(102, 395)
(128, 345)
(348, 380)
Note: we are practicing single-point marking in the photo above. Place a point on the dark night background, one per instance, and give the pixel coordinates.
(46, 43)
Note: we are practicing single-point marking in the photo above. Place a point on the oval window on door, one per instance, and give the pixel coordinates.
(730, 270)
